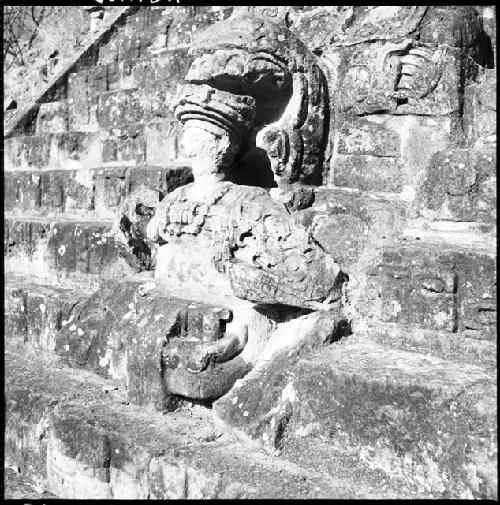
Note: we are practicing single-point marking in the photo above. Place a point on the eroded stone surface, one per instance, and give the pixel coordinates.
(313, 134)
(77, 437)
(345, 394)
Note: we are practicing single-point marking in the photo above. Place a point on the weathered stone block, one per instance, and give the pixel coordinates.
(53, 118)
(438, 84)
(85, 248)
(114, 75)
(460, 185)
(136, 73)
(22, 152)
(116, 108)
(405, 423)
(449, 290)
(369, 173)
(413, 286)
(453, 347)
(79, 194)
(28, 194)
(124, 144)
(76, 87)
(477, 295)
(97, 82)
(36, 312)
(52, 189)
(62, 247)
(145, 368)
(84, 336)
(73, 145)
(10, 189)
(109, 52)
(162, 179)
(23, 238)
(136, 23)
(16, 319)
(172, 67)
(163, 142)
(360, 136)
(101, 248)
(129, 47)
(342, 236)
(82, 114)
(364, 86)
(109, 188)
(479, 116)
(458, 26)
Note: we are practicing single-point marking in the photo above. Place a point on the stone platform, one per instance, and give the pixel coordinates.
(76, 434)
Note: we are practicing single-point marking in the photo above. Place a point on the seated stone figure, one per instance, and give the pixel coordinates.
(251, 239)
(254, 86)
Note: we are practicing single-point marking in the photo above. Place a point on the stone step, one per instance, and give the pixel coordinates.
(104, 331)
(62, 250)
(463, 234)
(109, 109)
(154, 74)
(427, 423)
(76, 435)
(34, 310)
(149, 72)
(148, 32)
(94, 193)
(156, 143)
(457, 347)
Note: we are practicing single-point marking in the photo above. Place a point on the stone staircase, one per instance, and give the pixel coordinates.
(403, 407)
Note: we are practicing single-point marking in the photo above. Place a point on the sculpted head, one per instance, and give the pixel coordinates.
(215, 123)
(258, 82)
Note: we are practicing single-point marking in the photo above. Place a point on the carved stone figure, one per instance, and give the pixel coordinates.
(253, 86)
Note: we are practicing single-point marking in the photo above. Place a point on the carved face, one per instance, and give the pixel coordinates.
(208, 152)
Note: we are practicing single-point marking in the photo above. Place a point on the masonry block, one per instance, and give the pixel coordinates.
(117, 108)
(460, 185)
(427, 422)
(162, 179)
(52, 189)
(163, 142)
(79, 194)
(109, 188)
(53, 117)
(480, 105)
(129, 47)
(10, 189)
(477, 295)
(85, 248)
(369, 173)
(126, 143)
(23, 238)
(360, 136)
(28, 190)
(414, 286)
(342, 236)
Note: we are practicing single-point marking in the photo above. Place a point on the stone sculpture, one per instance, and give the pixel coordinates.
(252, 87)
